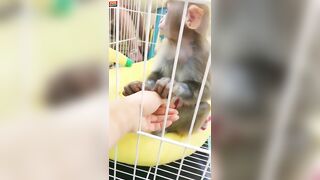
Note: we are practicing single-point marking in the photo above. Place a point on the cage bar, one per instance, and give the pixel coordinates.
(126, 40)
(203, 83)
(173, 77)
(163, 139)
(143, 84)
(193, 168)
(282, 117)
(117, 77)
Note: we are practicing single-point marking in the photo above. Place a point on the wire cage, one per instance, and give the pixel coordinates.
(132, 27)
(134, 32)
(195, 166)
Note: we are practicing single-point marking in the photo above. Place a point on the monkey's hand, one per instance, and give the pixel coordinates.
(162, 87)
(181, 94)
(181, 91)
(132, 88)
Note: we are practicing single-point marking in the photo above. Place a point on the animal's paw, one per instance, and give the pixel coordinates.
(206, 123)
(162, 87)
(132, 88)
(179, 89)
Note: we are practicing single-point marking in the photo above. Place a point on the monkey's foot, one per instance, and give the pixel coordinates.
(158, 133)
(205, 124)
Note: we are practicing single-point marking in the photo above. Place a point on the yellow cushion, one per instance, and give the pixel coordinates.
(148, 147)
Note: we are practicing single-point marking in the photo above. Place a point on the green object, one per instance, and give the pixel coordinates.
(62, 7)
(129, 62)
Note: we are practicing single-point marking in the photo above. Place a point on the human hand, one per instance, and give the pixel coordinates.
(155, 121)
(153, 111)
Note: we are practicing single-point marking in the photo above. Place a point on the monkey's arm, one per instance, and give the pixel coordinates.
(152, 79)
(188, 91)
(136, 86)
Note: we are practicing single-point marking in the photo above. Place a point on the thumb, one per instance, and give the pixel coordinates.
(151, 103)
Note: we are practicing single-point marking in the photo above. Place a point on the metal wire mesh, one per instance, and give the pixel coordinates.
(132, 27)
(134, 33)
(193, 167)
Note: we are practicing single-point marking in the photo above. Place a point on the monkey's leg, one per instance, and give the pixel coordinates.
(182, 126)
(158, 133)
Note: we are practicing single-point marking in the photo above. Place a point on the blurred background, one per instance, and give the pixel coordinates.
(266, 89)
(265, 65)
(39, 38)
(48, 48)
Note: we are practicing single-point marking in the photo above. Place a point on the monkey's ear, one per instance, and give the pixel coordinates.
(194, 17)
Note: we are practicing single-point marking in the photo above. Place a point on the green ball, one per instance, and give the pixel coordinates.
(62, 6)
(129, 62)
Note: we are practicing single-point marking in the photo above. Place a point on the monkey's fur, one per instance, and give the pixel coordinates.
(192, 60)
(253, 42)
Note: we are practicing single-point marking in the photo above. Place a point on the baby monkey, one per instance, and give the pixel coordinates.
(193, 56)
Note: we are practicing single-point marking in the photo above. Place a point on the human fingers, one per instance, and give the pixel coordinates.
(161, 118)
(159, 126)
(162, 111)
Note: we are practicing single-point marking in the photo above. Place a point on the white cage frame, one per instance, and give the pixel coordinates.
(299, 59)
(121, 38)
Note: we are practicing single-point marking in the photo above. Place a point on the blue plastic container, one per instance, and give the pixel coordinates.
(151, 52)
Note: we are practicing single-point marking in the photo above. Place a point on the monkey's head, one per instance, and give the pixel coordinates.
(197, 19)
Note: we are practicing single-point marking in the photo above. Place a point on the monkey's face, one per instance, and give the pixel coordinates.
(196, 19)
(170, 23)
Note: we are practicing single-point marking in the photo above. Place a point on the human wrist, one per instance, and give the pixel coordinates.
(133, 105)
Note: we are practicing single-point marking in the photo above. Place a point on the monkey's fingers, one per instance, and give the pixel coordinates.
(127, 91)
(136, 87)
(161, 86)
(132, 88)
(177, 102)
(165, 91)
(158, 88)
